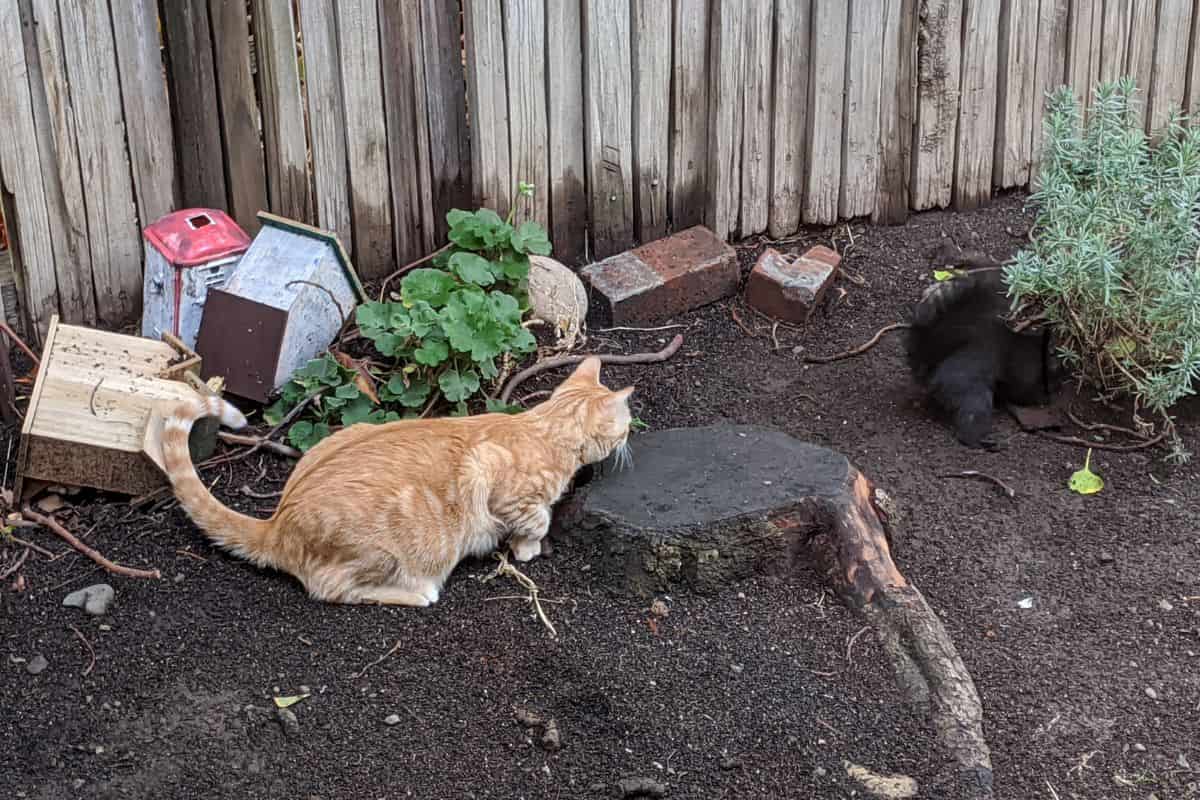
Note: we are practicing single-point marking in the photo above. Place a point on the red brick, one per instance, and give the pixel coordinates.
(788, 289)
(662, 279)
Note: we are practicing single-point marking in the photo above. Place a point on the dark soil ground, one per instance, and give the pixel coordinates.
(1093, 691)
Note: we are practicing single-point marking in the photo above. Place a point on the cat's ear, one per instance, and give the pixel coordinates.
(588, 370)
(622, 395)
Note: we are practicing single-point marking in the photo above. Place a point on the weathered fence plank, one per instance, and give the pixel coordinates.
(487, 97)
(789, 145)
(1049, 68)
(1192, 95)
(366, 135)
(651, 54)
(25, 211)
(284, 142)
(897, 112)
(239, 112)
(1015, 92)
(726, 67)
(1114, 55)
(194, 110)
(825, 110)
(860, 119)
(113, 236)
(326, 118)
(408, 138)
(977, 105)
(564, 89)
(938, 61)
(607, 75)
(58, 160)
(1169, 75)
(1141, 53)
(689, 112)
(445, 101)
(757, 113)
(1083, 62)
(525, 54)
(147, 108)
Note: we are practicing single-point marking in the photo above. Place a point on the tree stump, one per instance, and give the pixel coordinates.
(703, 507)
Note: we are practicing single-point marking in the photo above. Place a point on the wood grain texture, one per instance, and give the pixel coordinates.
(239, 112)
(1049, 69)
(609, 148)
(487, 98)
(1015, 91)
(1117, 23)
(977, 105)
(525, 56)
(147, 107)
(21, 185)
(284, 143)
(651, 52)
(58, 159)
(897, 112)
(113, 236)
(445, 90)
(757, 113)
(790, 133)
(1168, 83)
(564, 87)
(1140, 59)
(1085, 29)
(194, 108)
(825, 111)
(689, 112)
(326, 118)
(408, 136)
(1192, 91)
(938, 68)
(366, 136)
(860, 116)
(726, 67)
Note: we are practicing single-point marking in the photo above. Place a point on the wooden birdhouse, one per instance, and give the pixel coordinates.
(89, 414)
(283, 305)
(188, 253)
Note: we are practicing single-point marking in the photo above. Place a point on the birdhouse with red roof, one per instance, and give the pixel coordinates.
(188, 253)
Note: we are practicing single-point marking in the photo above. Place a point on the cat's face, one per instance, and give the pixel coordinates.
(602, 414)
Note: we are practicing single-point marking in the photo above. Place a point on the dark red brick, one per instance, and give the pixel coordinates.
(788, 289)
(662, 279)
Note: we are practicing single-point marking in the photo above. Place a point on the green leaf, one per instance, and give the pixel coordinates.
(413, 395)
(432, 352)
(472, 269)
(423, 318)
(358, 410)
(284, 702)
(456, 217)
(373, 315)
(274, 413)
(467, 234)
(1085, 481)
(944, 274)
(458, 386)
(460, 409)
(487, 368)
(488, 217)
(531, 238)
(432, 286)
(515, 266)
(347, 391)
(304, 435)
(499, 407)
(638, 424)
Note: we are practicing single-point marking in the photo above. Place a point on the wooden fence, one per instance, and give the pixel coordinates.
(630, 117)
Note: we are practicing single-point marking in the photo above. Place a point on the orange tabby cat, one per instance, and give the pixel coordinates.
(383, 513)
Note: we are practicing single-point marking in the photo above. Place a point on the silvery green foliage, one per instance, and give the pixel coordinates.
(1115, 257)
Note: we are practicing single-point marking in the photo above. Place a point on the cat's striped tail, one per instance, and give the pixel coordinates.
(236, 532)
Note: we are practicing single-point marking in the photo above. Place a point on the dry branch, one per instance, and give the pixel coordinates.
(11, 334)
(563, 361)
(91, 651)
(862, 348)
(116, 569)
(983, 476)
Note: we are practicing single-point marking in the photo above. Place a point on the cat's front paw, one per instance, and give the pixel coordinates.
(525, 549)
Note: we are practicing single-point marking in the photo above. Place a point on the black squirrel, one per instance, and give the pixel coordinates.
(962, 351)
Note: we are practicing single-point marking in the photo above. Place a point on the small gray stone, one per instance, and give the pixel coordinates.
(737, 668)
(37, 665)
(1106, 557)
(729, 763)
(78, 783)
(288, 721)
(391, 719)
(1165, 605)
(820, 772)
(642, 787)
(1182, 761)
(1153, 695)
(95, 600)
(1138, 747)
(551, 739)
(179, 577)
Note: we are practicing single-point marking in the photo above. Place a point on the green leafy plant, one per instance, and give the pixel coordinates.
(1113, 264)
(338, 401)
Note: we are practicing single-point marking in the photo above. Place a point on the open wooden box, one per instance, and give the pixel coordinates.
(88, 422)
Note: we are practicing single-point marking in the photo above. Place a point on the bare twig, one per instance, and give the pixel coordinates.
(379, 660)
(90, 649)
(11, 334)
(1075, 440)
(1100, 426)
(640, 330)
(972, 474)
(862, 348)
(116, 569)
(190, 554)
(325, 289)
(505, 568)
(246, 490)
(733, 312)
(538, 395)
(562, 361)
(852, 640)
(16, 565)
(92, 397)
(774, 338)
(256, 441)
(408, 266)
(31, 546)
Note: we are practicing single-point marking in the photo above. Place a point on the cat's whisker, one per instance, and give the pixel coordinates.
(624, 456)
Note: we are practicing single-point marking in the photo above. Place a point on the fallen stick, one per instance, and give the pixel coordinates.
(379, 660)
(862, 348)
(563, 361)
(55, 527)
(1119, 448)
(11, 334)
(972, 474)
(259, 442)
(736, 318)
(90, 649)
(246, 490)
(526, 583)
(16, 566)
(30, 545)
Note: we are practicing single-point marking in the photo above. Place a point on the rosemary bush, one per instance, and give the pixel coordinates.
(1114, 264)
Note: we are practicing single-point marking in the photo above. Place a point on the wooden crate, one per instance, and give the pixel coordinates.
(88, 417)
